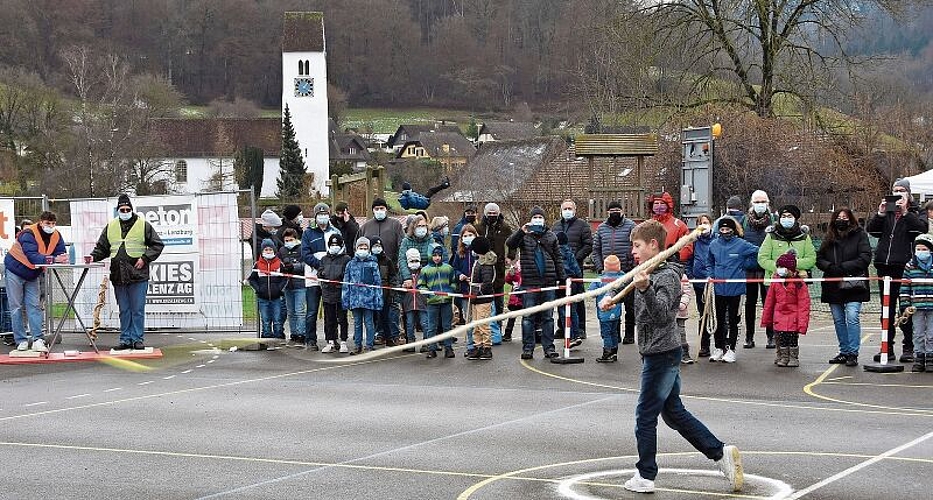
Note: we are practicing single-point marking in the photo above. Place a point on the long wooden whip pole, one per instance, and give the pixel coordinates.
(462, 329)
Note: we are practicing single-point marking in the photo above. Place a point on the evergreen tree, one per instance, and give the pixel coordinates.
(472, 131)
(291, 164)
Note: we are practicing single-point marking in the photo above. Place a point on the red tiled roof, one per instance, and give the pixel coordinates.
(217, 137)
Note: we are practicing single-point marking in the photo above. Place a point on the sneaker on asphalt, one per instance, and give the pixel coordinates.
(38, 345)
(852, 360)
(639, 484)
(344, 348)
(485, 353)
(716, 355)
(729, 356)
(329, 347)
(449, 352)
(431, 354)
(311, 347)
(122, 347)
(527, 355)
(839, 359)
(23, 346)
(749, 344)
(551, 354)
(906, 357)
(576, 342)
(473, 354)
(704, 353)
(686, 359)
(731, 466)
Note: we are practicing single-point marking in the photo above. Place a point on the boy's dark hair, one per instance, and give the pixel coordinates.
(49, 216)
(290, 232)
(650, 230)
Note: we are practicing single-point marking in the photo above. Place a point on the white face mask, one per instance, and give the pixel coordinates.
(444, 231)
(781, 271)
(268, 255)
(300, 219)
(333, 249)
(468, 240)
(322, 219)
(421, 232)
(567, 213)
(48, 229)
(379, 214)
(291, 244)
(362, 253)
(537, 221)
(125, 215)
(414, 266)
(377, 250)
(760, 207)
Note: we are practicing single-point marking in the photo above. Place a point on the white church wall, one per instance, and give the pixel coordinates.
(309, 112)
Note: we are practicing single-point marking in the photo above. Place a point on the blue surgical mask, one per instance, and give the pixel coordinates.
(333, 249)
(923, 255)
(48, 229)
(760, 208)
(781, 271)
(787, 222)
(567, 214)
(322, 220)
(125, 215)
(377, 249)
(379, 214)
(468, 240)
(537, 222)
(268, 255)
(421, 232)
(362, 254)
(291, 244)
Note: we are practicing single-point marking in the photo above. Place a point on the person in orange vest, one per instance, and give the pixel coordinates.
(33, 245)
(132, 244)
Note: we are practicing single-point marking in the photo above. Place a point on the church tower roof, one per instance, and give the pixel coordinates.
(303, 32)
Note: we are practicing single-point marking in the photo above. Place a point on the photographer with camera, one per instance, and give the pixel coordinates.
(896, 225)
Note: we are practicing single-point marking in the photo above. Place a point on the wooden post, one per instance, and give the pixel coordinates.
(369, 187)
(640, 172)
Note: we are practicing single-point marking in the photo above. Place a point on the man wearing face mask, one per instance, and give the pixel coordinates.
(757, 221)
(344, 221)
(313, 248)
(33, 244)
(497, 231)
(469, 217)
(613, 237)
(662, 210)
(132, 244)
(896, 231)
(786, 234)
(386, 228)
(542, 266)
(580, 239)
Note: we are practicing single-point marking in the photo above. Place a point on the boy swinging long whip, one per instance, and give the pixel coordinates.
(646, 266)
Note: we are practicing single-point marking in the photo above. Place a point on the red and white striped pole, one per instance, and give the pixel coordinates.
(885, 318)
(567, 322)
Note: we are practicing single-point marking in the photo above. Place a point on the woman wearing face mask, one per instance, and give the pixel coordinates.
(462, 262)
(785, 234)
(469, 217)
(418, 237)
(757, 221)
(662, 210)
(696, 270)
(845, 252)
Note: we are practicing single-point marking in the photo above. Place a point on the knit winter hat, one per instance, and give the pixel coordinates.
(491, 207)
(270, 218)
(728, 222)
(362, 240)
(437, 250)
(791, 209)
(438, 223)
(787, 261)
(536, 211)
(562, 238)
(267, 243)
(612, 264)
(335, 239)
(124, 201)
(379, 202)
(902, 182)
(291, 211)
(413, 255)
(321, 208)
(481, 245)
(924, 239)
(734, 202)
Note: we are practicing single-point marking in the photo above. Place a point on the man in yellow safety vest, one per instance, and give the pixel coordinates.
(132, 244)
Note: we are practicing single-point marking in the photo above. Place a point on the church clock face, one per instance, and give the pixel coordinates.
(304, 87)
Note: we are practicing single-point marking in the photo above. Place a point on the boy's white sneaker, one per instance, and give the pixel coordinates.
(729, 356)
(344, 348)
(639, 484)
(731, 466)
(716, 355)
(329, 347)
(23, 346)
(38, 345)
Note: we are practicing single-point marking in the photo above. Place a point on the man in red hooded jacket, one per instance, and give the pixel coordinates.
(662, 210)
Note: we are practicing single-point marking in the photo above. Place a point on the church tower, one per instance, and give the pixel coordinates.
(304, 90)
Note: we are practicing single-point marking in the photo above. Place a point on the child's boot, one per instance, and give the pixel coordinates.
(473, 354)
(919, 363)
(929, 362)
(449, 352)
(783, 355)
(792, 360)
(485, 353)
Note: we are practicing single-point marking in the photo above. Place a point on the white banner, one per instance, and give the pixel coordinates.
(7, 225)
(173, 217)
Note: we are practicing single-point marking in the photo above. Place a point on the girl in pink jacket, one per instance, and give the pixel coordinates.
(787, 310)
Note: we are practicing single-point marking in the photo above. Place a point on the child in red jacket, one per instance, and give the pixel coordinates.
(787, 310)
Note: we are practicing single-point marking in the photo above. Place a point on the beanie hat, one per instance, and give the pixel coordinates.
(437, 250)
(902, 182)
(413, 255)
(374, 240)
(612, 264)
(439, 223)
(734, 202)
(537, 211)
(341, 206)
(321, 208)
(562, 238)
(728, 222)
(362, 240)
(787, 261)
(481, 245)
(269, 218)
(924, 239)
(291, 211)
(335, 239)
(379, 202)
(491, 207)
(791, 209)
(614, 204)
(267, 243)
(124, 201)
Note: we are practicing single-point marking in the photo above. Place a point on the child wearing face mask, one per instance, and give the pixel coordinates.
(410, 200)
(413, 303)
(729, 256)
(295, 304)
(787, 310)
(333, 267)
(439, 276)
(920, 297)
(269, 290)
(363, 301)
(387, 319)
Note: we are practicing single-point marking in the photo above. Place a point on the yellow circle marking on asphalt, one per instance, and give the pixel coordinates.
(808, 389)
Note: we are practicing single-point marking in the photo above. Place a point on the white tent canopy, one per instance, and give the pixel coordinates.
(922, 184)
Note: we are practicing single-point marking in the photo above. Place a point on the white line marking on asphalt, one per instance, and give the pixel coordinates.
(200, 366)
(36, 404)
(114, 389)
(210, 361)
(856, 468)
(565, 487)
(187, 371)
(407, 447)
(76, 396)
(170, 377)
(146, 382)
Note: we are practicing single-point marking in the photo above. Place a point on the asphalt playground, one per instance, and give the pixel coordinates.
(204, 422)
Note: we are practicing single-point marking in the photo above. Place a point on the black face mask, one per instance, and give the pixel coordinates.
(615, 219)
(490, 220)
(841, 224)
(470, 219)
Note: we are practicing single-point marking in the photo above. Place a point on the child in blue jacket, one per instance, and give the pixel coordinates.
(609, 321)
(410, 200)
(363, 301)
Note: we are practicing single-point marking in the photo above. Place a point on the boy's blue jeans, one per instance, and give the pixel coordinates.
(609, 331)
(296, 307)
(270, 315)
(440, 317)
(363, 317)
(660, 395)
(410, 318)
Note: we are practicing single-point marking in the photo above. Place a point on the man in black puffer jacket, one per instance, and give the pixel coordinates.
(542, 266)
(580, 237)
